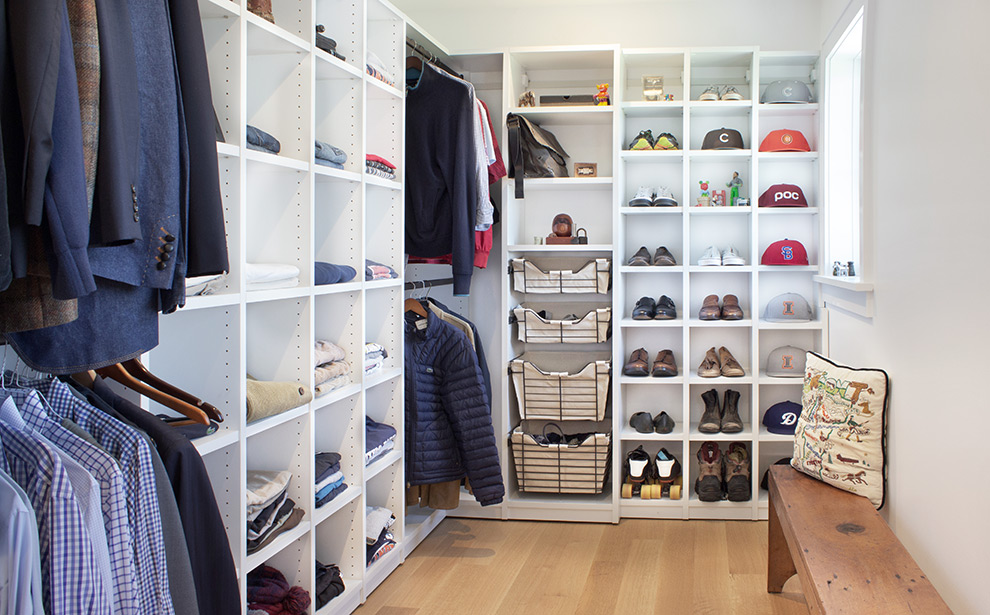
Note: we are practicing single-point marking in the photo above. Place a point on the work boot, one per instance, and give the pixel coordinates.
(710, 367)
(737, 478)
(664, 365)
(709, 308)
(730, 308)
(709, 485)
(711, 420)
(731, 423)
(730, 367)
(638, 364)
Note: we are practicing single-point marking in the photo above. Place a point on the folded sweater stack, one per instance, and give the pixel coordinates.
(376, 165)
(269, 276)
(269, 593)
(378, 535)
(328, 273)
(379, 439)
(374, 358)
(329, 584)
(270, 510)
(329, 478)
(329, 156)
(331, 370)
(377, 271)
(265, 399)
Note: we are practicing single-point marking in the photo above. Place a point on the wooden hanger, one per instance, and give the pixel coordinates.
(414, 62)
(137, 369)
(121, 375)
(413, 305)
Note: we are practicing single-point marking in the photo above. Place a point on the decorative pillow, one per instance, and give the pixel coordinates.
(841, 435)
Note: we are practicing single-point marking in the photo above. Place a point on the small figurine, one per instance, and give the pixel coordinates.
(528, 99)
(718, 198)
(734, 184)
(851, 270)
(835, 269)
(601, 98)
(669, 97)
(562, 228)
(705, 199)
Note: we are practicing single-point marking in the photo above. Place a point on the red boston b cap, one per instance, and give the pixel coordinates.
(785, 252)
(785, 141)
(783, 195)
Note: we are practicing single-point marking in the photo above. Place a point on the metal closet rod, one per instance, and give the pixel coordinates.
(429, 57)
(418, 284)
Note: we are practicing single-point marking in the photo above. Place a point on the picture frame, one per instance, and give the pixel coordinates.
(585, 169)
(652, 88)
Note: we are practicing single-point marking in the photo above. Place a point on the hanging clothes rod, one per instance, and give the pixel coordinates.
(419, 284)
(429, 57)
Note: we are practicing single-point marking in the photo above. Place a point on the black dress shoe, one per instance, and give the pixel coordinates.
(645, 309)
(665, 309)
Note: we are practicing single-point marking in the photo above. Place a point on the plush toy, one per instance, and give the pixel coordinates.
(601, 98)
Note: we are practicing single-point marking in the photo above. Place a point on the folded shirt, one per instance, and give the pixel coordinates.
(378, 169)
(378, 271)
(260, 140)
(372, 366)
(263, 487)
(327, 163)
(330, 480)
(376, 433)
(383, 545)
(326, 464)
(377, 519)
(372, 349)
(329, 371)
(380, 162)
(322, 493)
(260, 527)
(289, 283)
(327, 352)
(269, 272)
(329, 584)
(333, 384)
(328, 273)
(376, 68)
(205, 284)
(379, 451)
(265, 399)
(334, 493)
(285, 524)
(330, 153)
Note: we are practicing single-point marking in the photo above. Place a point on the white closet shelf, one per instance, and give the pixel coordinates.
(203, 302)
(765, 379)
(651, 324)
(379, 87)
(766, 436)
(347, 601)
(745, 434)
(575, 501)
(660, 108)
(693, 500)
(381, 464)
(324, 173)
(694, 378)
(333, 289)
(336, 395)
(381, 182)
(576, 115)
(697, 322)
(676, 155)
(720, 268)
(276, 160)
(639, 504)
(218, 9)
(227, 149)
(786, 156)
(787, 211)
(215, 441)
(651, 269)
(377, 284)
(710, 108)
(720, 155)
(630, 434)
(649, 379)
(284, 540)
(387, 373)
(787, 109)
(379, 571)
(650, 211)
(278, 294)
(329, 68)
(786, 268)
(716, 211)
(783, 326)
(764, 498)
(324, 512)
(419, 523)
(570, 183)
(265, 38)
(263, 425)
(588, 247)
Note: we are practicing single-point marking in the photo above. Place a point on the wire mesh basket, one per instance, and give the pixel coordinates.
(589, 277)
(576, 464)
(556, 386)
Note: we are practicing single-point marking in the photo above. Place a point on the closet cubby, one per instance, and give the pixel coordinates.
(295, 561)
(278, 102)
(338, 112)
(720, 284)
(735, 339)
(697, 408)
(651, 170)
(278, 218)
(221, 35)
(654, 400)
(775, 228)
(770, 395)
(721, 229)
(652, 63)
(344, 23)
(723, 509)
(770, 453)
(340, 540)
(653, 231)
(721, 67)
(338, 225)
(279, 347)
(653, 285)
(385, 231)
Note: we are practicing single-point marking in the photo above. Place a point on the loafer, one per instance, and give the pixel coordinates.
(710, 367)
(640, 259)
(664, 365)
(663, 258)
(663, 423)
(709, 308)
(645, 309)
(730, 367)
(638, 364)
(665, 309)
(642, 422)
(730, 308)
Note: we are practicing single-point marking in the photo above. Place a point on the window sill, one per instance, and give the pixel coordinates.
(849, 294)
(855, 284)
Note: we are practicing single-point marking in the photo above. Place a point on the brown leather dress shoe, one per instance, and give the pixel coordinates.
(664, 365)
(730, 308)
(730, 367)
(710, 367)
(709, 308)
(638, 364)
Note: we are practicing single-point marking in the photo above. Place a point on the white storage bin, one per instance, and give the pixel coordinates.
(557, 386)
(591, 277)
(590, 327)
(579, 467)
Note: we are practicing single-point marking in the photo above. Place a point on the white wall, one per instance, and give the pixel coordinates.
(927, 138)
(494, 24)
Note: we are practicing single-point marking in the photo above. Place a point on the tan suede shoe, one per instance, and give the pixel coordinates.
(730, 367)
(710, 367)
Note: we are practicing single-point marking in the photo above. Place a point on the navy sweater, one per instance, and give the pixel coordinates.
(441, 182)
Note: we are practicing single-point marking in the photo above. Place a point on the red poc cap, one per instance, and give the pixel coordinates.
(785, 252)
(785, 141)
(783, 195)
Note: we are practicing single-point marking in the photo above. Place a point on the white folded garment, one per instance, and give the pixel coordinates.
(373, 366)
(333, 384)
(205, 284)
(290, 283)
(269, 272)
(327, 352)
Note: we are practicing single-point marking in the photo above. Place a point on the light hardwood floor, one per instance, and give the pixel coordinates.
(479, 567)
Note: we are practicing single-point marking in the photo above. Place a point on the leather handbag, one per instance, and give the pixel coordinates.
(533, 152)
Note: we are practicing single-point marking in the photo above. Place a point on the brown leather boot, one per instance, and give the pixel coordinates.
(638, 364)
(730, 308)
(730, 367)
(709, 308)
(710, 367)
(711, 420)
(664, 365)
(731, 423)
(710, 484)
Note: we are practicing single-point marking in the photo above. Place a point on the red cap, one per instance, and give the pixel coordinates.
(785, 252)
(783, 195)
(785, 141)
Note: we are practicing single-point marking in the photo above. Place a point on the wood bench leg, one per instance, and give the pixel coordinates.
(780, 566)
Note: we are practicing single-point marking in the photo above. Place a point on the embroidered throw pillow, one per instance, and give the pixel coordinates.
(840, 437)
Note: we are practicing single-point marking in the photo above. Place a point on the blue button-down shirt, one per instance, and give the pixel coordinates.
(111, 485)
(20, 556)
(70, 578)
(144, 516)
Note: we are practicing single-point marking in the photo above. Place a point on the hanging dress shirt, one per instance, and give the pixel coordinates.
(20, 555)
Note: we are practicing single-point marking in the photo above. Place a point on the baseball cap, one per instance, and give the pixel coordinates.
(783, 195)
(723, 138)
(785, 252)
(784, 140)
(788, 307)
(787, 362)
(782, 417)
(787, 91)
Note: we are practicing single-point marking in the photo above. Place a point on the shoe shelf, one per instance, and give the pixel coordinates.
(630, 323)
(719, 380)
(650, 109)
(697, 435)
(716, 211)
(766, 436)
(697, 322)
(652, 155)
(787, 110)
(776, 157)
(720, 108)
(645, 211)
(720, 268)
(629, 434)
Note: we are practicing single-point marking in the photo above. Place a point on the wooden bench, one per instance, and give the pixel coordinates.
(845, 554)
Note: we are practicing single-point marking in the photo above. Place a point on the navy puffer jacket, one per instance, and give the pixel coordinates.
(448, 418)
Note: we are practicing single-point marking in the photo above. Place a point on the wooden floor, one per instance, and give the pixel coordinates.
(476, 567)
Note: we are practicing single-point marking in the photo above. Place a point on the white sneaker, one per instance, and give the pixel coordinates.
(710, 94)
(731, 93)
(664, 197)
(643, 198)
(731, 256)
(710, 257)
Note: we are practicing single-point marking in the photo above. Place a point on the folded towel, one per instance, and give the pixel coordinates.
(329, 371)
(264, 486)
(260, 140)
(377, 519)
(327, 352)
(328, 273)
(325, 151)
(333, 384)
(269, 272)
(327, 163)
(277, 284)
(266, 399)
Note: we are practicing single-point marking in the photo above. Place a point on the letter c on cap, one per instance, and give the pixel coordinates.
(724, 137)
(788, 91)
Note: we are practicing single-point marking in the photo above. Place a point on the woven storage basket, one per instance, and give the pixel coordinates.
(561, 468)
(556, 386)
(591, 277)
(591, 328)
